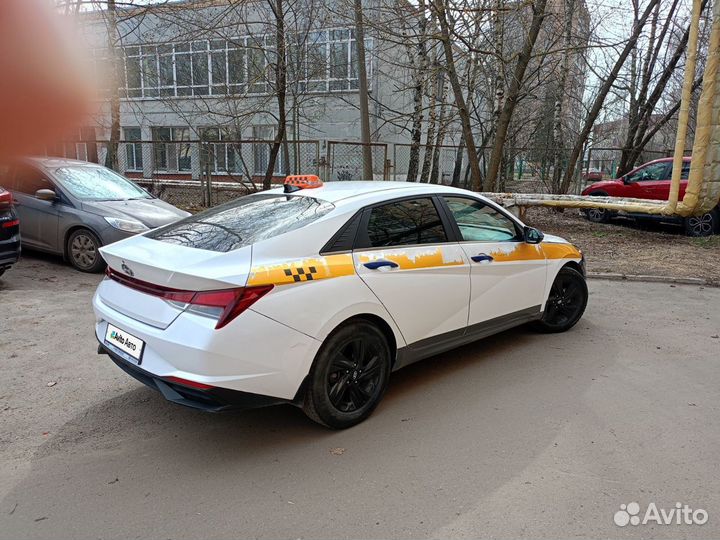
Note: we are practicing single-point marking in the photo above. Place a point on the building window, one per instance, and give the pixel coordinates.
(170, 151)
(222, 152)
(133, 150)
(264, 135)
(322, 61)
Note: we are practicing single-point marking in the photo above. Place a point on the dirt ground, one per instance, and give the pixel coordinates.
(628, 247)
(521, 435)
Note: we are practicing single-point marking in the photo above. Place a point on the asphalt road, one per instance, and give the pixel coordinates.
(520, 435)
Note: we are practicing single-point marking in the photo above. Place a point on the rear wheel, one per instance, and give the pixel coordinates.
(566, 302)
(704, 225)
(598, 215)
(349, 377)
(83, 251)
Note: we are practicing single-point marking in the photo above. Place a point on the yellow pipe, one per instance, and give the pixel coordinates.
(684, 115)
(703, 189)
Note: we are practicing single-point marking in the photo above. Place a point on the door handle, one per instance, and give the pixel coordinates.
(481, 257)
(374, 265)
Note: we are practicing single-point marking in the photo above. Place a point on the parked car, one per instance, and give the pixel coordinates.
(312, 295)
(592, 175)
(72, 208)
(9, 232)
(652, 181)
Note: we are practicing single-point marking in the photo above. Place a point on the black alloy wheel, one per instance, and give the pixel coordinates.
(349, 376)
(566, 302)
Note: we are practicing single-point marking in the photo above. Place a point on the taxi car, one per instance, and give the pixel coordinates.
(313, 293)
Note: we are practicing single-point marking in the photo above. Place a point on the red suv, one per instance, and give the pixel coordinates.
(652, 181)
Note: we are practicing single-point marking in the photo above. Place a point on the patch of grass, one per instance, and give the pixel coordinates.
(706, 242)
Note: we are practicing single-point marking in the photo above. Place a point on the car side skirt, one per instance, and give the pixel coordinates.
(449, 340)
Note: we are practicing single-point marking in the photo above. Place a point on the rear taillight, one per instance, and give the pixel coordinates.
(11, 223)
(223, 305)
(6, 199)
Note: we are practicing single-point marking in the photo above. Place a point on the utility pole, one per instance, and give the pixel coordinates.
(363, 95)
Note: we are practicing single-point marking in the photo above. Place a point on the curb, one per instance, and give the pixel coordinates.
(653, 279)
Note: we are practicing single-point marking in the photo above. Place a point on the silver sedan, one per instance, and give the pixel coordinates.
(72, 208)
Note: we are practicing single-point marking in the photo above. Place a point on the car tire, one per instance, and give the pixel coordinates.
(598, 215)
(83, 251)
(566, 302)
(704, 225)
(349, 376)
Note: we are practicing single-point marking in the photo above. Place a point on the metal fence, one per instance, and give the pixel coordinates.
(345, 161)
(203, 173)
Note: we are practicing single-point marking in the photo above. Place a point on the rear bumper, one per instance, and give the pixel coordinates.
(9, 251)
(210, 400)
(253, 354)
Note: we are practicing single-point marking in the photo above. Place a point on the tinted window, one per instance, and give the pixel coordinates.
(29, 180)
(413, 221)
(479, 222)
(243, 222)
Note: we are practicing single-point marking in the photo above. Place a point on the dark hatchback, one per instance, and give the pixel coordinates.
(9, 232)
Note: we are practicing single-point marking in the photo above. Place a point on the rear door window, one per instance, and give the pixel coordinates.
(402, 223)
(243, 222)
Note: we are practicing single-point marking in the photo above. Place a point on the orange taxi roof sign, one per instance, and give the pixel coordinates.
(303, 181)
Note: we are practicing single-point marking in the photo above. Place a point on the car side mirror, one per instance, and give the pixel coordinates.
(532, 235)
(625, 180)
(46, 195)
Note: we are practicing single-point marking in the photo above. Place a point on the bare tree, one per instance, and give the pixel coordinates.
(496, 155)
(599, 99)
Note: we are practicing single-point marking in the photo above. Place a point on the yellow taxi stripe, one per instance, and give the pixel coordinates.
(561, 251)
(309, 269)
(424, 259)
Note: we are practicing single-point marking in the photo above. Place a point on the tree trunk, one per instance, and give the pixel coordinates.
(112, 155)
(513, 93)
(418, 87)
(600, 98)
(441, 130)
(457, 169)
(363, 93)
(461, 104)
(281, 87)
(558, 138)
(432, 123)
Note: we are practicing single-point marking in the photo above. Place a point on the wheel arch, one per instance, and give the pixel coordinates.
(384, 326)
(574, 265)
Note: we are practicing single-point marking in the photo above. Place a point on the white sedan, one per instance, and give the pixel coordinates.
(313, 294)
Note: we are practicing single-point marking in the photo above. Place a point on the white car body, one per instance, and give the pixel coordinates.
(436, 298)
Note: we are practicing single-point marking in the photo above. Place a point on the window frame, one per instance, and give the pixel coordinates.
(148, 60)
(362, 239)
(519, 227)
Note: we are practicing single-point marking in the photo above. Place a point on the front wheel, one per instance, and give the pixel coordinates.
(704, 225)
(349, 377)
(566, 302)
(83, 251)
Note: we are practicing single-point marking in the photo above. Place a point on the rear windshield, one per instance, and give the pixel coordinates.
(242, 222)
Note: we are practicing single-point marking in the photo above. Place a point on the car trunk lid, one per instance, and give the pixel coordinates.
(168, 267)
